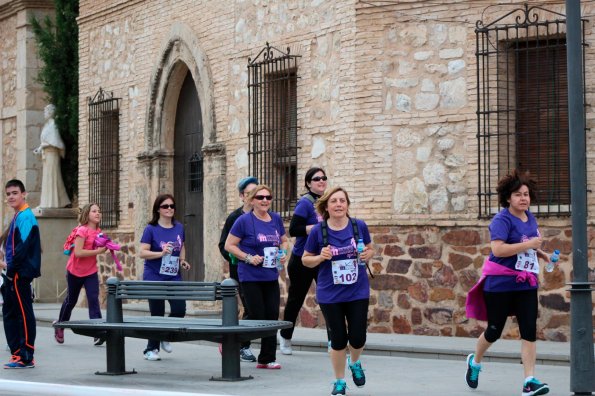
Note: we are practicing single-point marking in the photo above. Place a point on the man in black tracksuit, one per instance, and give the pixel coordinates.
(23, 263)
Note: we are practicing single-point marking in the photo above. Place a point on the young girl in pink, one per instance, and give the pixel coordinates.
(81, 270)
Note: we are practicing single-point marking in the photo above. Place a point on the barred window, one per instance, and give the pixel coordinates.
(522, 98)
(272, 136)
(104, 169)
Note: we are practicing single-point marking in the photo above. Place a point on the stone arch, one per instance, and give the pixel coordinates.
(181, 53)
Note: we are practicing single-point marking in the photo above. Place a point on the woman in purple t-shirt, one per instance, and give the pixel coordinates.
(162, 247)
(301, 277)
(342, 287)
(255, 239)
(515, 243)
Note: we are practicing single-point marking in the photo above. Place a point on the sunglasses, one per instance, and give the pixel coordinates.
(261, 197)
(168, 206)
(319, 178)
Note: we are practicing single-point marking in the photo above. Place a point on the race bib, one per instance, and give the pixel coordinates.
(169, 265)
(344, 272)
(270, 257)
(527, 261)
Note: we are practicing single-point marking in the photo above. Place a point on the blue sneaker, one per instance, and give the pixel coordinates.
(357, 372)
(473, 369)
(339, 387)
(534, 387)
(16, 363)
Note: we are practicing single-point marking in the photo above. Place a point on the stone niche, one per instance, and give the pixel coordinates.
(54, 226)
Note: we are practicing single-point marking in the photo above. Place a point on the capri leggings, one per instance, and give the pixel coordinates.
(523, 304)
(346, 322)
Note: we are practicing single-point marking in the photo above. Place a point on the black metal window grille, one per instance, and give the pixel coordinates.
(522, 107)
(272, 135)
(195, 175)
(104, 153)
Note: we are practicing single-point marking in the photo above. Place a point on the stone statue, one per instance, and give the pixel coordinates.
(53, 192)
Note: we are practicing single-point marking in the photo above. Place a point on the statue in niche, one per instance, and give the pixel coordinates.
(51, 148)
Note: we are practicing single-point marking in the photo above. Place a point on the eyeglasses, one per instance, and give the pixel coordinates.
(319, 178)
(261, 197)
(168, 206)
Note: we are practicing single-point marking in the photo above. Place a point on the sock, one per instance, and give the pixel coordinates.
(529, 378)
(474, 363)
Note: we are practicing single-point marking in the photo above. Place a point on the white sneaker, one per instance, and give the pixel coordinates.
(284, 345)
(166, 346)
(152, 355)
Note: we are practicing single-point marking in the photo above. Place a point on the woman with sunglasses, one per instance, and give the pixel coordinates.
(301, 277)
(162, 247)
(255, 238)
(342, 288)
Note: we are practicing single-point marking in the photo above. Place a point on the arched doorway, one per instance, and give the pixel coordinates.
(188, 175)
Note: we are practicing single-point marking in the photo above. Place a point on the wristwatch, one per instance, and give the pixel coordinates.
(248, 258)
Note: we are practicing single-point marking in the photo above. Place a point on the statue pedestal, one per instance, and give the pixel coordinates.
(54, 226)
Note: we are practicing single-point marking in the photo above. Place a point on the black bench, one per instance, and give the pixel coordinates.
(228, 331)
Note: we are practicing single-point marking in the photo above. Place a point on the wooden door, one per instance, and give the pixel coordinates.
(188, 176)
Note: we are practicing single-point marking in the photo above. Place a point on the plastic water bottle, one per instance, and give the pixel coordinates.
(360, 249)
(549, 267)
(280, 254)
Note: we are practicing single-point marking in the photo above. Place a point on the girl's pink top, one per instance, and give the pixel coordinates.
(475, 304)
(84, 266)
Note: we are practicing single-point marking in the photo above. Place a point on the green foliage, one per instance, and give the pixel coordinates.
(57, 42)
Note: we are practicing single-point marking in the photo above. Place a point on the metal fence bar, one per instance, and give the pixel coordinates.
(104, 155)
(522, 122)
(272, 135)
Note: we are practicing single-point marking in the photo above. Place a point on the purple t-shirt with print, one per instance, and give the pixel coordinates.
(343, 247)
(510, 229)
(157, 236)
(256, 235)
(304, 208)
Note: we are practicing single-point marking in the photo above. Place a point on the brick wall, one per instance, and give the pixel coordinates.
(386, 104)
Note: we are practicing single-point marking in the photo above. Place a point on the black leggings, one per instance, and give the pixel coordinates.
(300, 280)
(262, 302)
(523, 304)
(347, 322)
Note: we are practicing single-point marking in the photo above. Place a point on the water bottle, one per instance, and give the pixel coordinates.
(360, 249)
(280, 254)
(549, 267)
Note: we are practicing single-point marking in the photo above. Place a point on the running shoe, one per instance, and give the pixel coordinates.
(58, 334)
(473, 369)
(246, 355)
(166, 346)
(152, 355)
(270, 366)
(17, 363)
(535, 387)
(357, 372)
(284, 345)
(339, 387)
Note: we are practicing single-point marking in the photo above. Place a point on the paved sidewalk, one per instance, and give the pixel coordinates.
(307, 372)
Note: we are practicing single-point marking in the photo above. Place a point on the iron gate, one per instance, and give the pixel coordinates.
(522, 106)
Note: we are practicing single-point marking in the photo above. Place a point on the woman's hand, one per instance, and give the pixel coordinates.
(101, 250)
(325, 254)
(184, 264)
(167, 249)
(256, 260)
(367, 254)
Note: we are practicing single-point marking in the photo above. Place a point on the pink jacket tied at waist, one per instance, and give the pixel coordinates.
(475, 304)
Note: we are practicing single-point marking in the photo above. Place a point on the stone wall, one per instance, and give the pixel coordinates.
(386, 104)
